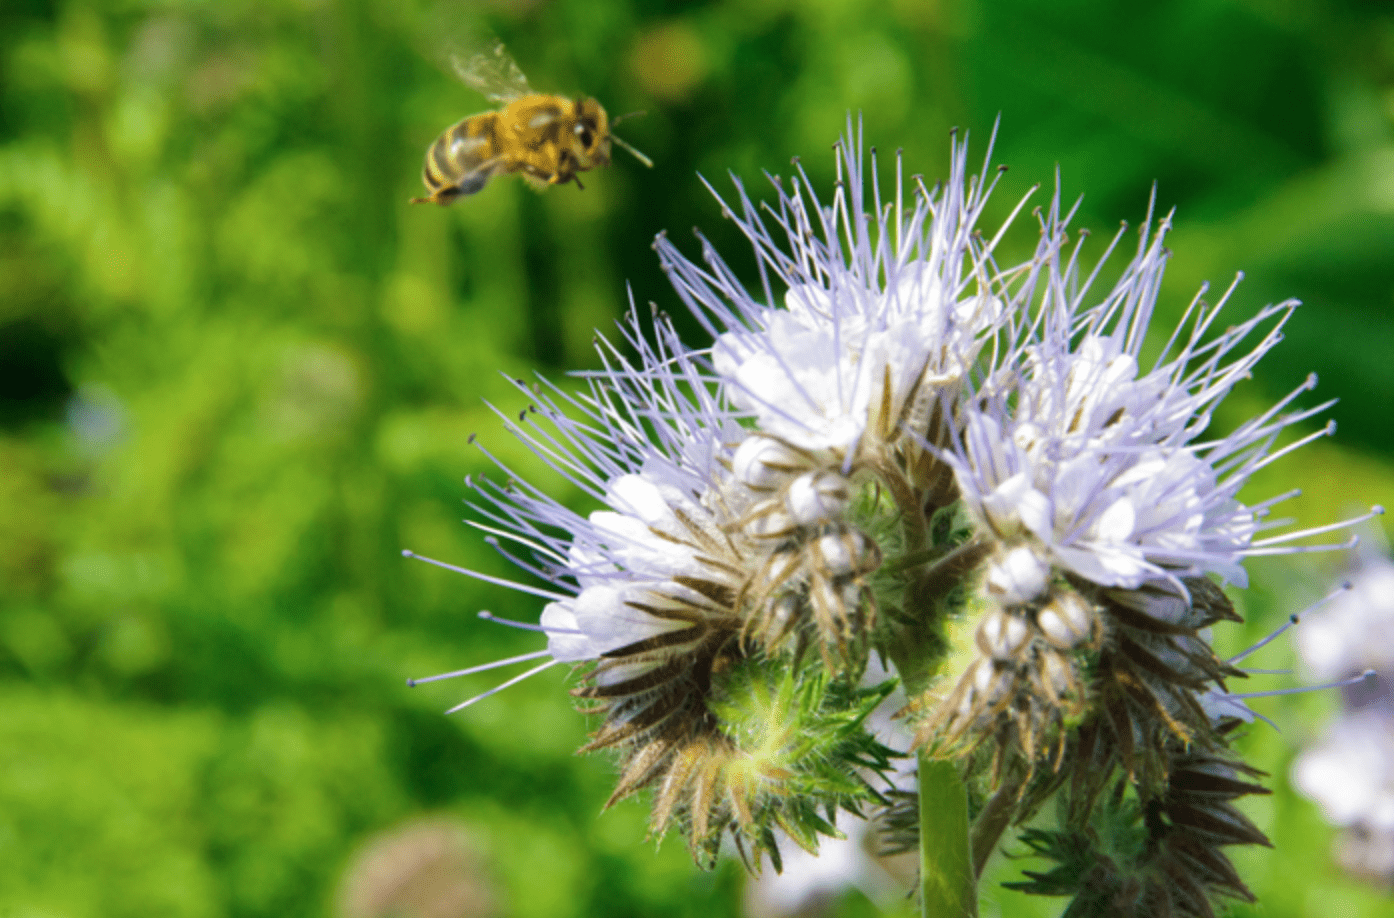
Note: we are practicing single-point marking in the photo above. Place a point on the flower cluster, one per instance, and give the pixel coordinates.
(905, 445)
(1349, 771)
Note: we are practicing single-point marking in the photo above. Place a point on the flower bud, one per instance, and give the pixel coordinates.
(814, 497)
(847, 552)
(763, 464)
(770, 522)
(1056, 674)
(1067, 621)
(1002, 635)
(1017, 577)
(989, 684)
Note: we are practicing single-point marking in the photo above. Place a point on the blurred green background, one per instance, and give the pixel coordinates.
(238, 372)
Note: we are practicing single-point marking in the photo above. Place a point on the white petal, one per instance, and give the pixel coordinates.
(565, 643)
(1116, 523)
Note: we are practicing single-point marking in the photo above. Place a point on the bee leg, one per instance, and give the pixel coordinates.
(441, 196)
(566, 171)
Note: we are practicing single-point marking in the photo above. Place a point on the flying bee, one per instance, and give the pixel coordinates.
(549, 139)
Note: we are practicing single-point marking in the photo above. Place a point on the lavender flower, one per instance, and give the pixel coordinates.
(882, 310)
(903, 440)
(649, 594)
(1349, 771)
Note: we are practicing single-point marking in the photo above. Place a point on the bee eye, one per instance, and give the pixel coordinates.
(583, 131)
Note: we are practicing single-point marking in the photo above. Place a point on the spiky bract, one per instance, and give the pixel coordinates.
(1152, 853)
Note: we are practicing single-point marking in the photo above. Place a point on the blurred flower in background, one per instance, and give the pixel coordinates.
(811, 886)
(427, 868)
(1349, 771)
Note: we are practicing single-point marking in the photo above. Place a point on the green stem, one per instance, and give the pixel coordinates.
(987, 831)
(948, 883)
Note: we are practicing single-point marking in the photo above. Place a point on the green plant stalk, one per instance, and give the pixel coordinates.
(948, 883)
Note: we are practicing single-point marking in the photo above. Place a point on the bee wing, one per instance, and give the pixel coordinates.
(494, 74)
(474, 180)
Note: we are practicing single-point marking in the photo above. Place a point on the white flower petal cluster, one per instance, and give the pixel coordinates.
(880, 315)
(621, 562)
(652, 447)
(814, 373)
(1100, 464)
(1350, 773)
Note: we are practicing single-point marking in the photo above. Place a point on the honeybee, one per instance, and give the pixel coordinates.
(549, 139)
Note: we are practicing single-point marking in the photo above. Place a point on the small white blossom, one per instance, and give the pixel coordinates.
(814, 372)
(1101, 463)
(652, 446)
(623, 560)
(883, 308)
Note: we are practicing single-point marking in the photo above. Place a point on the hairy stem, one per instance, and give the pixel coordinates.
(948, 884)
(990, 824)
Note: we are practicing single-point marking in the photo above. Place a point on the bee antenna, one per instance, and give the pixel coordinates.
(632, 152)
(626, 117)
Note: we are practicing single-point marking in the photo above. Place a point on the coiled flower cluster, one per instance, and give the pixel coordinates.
(903, 445)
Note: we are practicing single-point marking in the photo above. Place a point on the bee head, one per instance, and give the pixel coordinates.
(591, 133)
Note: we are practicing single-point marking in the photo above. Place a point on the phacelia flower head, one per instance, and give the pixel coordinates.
(868, 310)
(637, 587)
(653, 595)
(906, 447)
(1101, 464)
(1349, 773)
(1106, 504)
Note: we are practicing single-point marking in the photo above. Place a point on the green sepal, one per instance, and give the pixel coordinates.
(798, 752)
